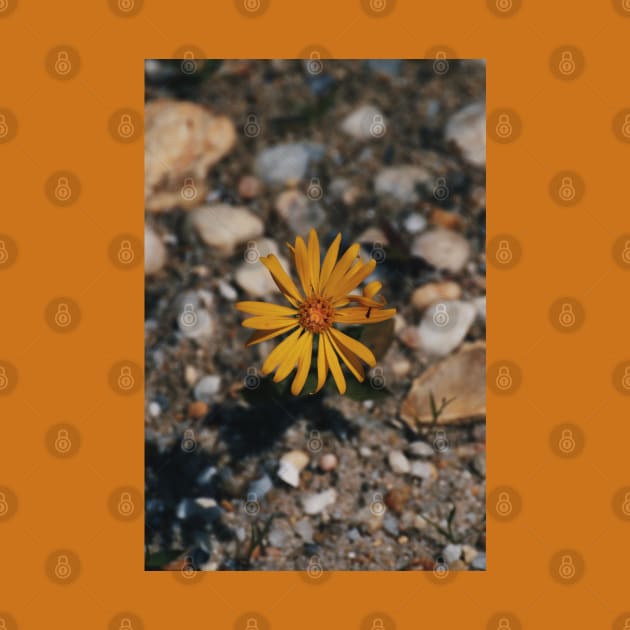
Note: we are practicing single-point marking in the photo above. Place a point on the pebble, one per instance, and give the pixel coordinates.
(424, 470)
(353, 535)
(415, 223)
(435, 292)
(442, 340)
(299, 212)
(401, 367)
(469, 553)
(398, 462)
(195, 322)
(261, 486)
(288, 162)
(451, 553)
(365, 451)
(467, 129)
(420, 449)
(252, 276)
(316, 503)
(154, 409)
(480, 304)
(207, 388)
(223, 227)
(443, 249)
(279, 534)
(304, 529)
(401, 181)
(202, 506)
(396, 499)
(387, 67)
(181, 140)
(479, 562)
(291, 465)
(365, 122)
(373, 236)
(197, 409)
(390, 524)
(191, 375)
(479, 463)
(249, 187)
(227, 291)
(328, 462)
(154, 252)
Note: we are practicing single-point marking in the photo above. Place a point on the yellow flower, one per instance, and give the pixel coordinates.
(323, 302)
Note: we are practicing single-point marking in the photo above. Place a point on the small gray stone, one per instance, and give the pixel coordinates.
(365, 122)
(279, 534)
(479, 562)
(287, 162)
(401, 182)
(353, 535)
(390, 524)
(261, 486)
(415, 223)
(207, 388)
(424, 470)
(387, 67)
(304, 529)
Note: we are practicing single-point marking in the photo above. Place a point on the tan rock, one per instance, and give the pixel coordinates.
(435, 292)
(461, 376)
(182, 141)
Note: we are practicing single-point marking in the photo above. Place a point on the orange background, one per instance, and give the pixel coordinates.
(567, 377)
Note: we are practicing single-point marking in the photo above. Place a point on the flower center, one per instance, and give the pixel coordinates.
(316, 314)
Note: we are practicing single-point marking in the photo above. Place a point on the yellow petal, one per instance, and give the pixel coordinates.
(340, 270)
(265, 308)
(354, 346)
(279, 352)
(313, 256)
(266, 322)
(302, 265)
(290, 359)
(304, 365)
(359, 315)
(322, 365)
(372, 288)
(333, 362)
(364, 301)
(354, 278)
(329, 261)
(282, 279)
(349, 358)
(259, 336)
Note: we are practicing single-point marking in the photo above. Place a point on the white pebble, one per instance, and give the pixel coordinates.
(444, 326)
(328, 462)
(415, 223)
(207, 388)
(316, 503)
(442, 248)
(451, 553)
(154, 252)
(398, 462)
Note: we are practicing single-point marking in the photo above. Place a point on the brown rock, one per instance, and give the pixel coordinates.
(396, 499)
(435, 292)
(197, 409)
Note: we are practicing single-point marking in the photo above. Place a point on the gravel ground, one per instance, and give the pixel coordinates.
(242, 156)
